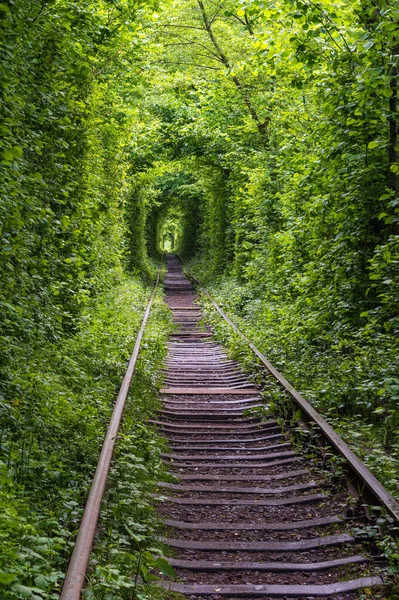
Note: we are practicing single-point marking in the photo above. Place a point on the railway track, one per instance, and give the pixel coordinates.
(246, 517)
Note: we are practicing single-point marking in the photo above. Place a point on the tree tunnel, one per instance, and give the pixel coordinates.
(169, 232)
(164, 214)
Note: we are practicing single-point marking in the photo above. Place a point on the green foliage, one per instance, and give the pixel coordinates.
(65, 128)
(63, 167)
(266, 138)
(351, 380)
(285, 117)
(127, 554)
(56, 409)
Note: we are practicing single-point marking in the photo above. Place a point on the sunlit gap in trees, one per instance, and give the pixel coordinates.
(169, 233)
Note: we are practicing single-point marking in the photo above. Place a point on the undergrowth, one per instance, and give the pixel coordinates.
(128, 555)
(55, 407)
(358, 375)
(350, 379)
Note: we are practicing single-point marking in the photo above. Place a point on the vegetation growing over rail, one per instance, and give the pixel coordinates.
(260, 140)
(59, 407)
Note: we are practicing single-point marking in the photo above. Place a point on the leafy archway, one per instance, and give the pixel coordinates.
(169, 232)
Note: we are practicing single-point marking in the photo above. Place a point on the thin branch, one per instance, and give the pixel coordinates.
(180, 37)
(304, 43)
(366, 25)
(181, 26)
(208, 27)
(246, 23)
(249, 24)
(177, 44)
(215, 16)
(172, 62)
(216, 58)
(261, 125)
(332, 39)
(323, 12)
(238, 19)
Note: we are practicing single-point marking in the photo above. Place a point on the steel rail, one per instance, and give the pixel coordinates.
(374, 487)
(76, 574)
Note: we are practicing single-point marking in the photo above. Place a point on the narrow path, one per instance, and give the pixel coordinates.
(247, 519)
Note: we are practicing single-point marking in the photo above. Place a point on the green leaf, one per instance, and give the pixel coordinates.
(8, 155)
(372, 145)
(7, 577)
(41, 581)
(134, 536)
(23, 591)
(368, 45)
(17, 152)
(165, 567)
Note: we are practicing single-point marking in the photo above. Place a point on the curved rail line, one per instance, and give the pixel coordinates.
(375, 490)
(246, 516)
(75, 577)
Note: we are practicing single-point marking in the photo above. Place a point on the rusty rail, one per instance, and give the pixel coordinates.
(375, 489)
(77, 568)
